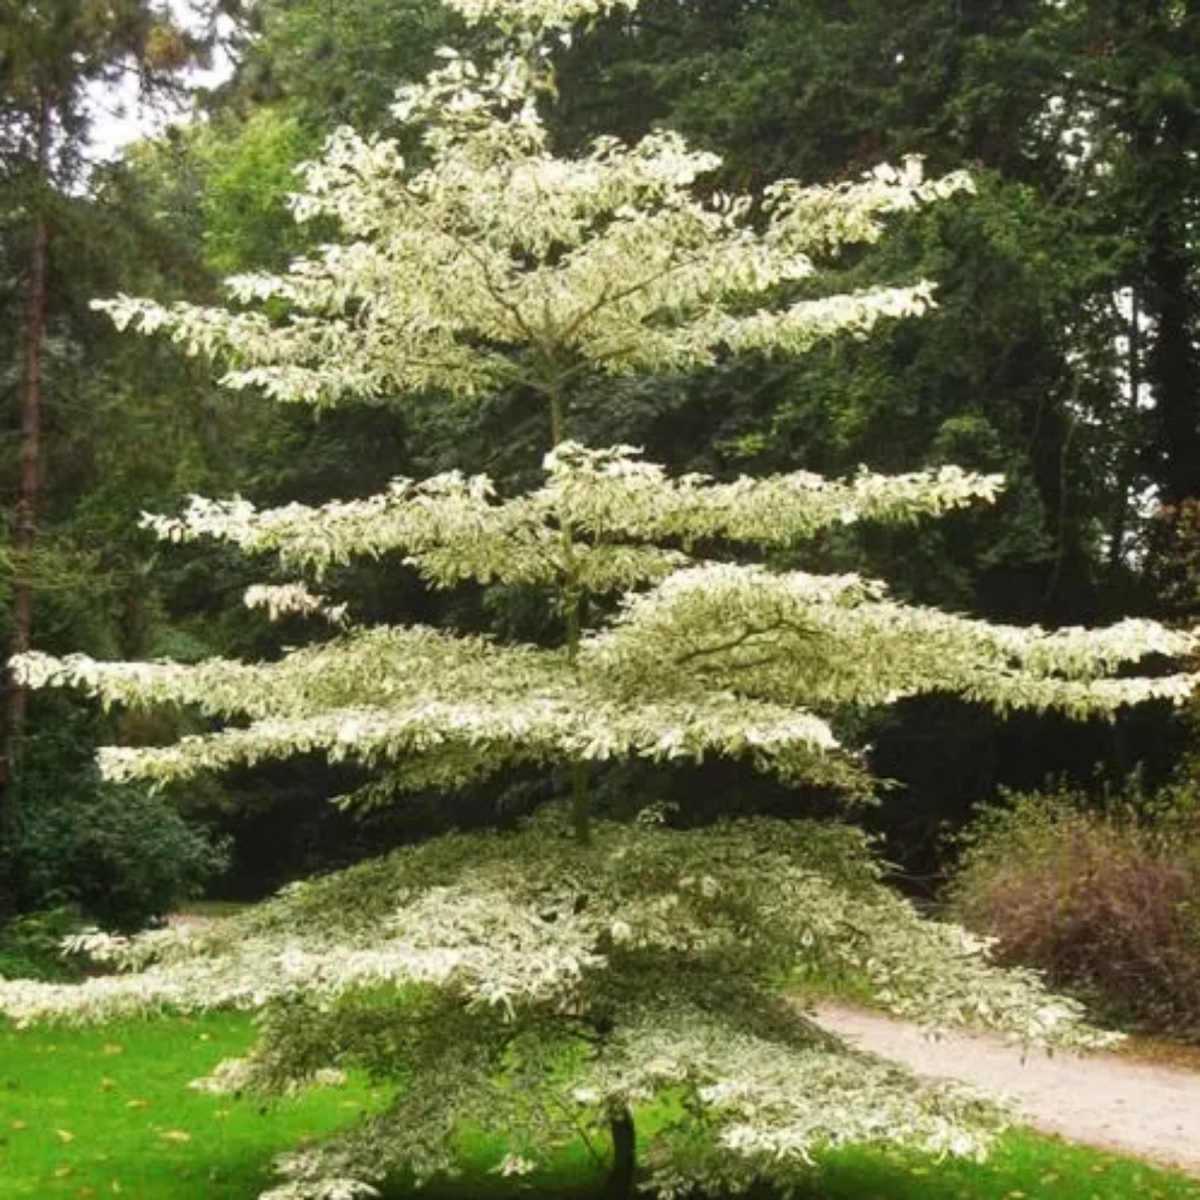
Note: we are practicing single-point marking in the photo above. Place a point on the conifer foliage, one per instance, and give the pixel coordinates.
(553, 983)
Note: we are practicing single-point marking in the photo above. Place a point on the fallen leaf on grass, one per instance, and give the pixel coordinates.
(65, 1136)
(111, 1048)
(18, 1125)
(137, 1103)
(175, 1135)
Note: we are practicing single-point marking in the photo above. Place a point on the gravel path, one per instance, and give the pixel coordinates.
(1150, 1112)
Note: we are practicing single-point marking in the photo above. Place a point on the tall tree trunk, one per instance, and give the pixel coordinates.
(622, 1176)
(1164, 122)
(33, 334)
(1174, 362)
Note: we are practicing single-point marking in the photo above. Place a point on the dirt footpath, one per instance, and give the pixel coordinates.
(1099, 1100)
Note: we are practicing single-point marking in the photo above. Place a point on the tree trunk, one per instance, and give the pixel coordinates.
(33, 332)
(31, 446)
(1163, 142)
(1174, 363)
(622, 1176)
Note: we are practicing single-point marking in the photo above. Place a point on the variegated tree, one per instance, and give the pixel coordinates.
(551, 984)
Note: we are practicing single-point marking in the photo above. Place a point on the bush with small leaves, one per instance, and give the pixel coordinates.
(1100, 899)
(122, 855)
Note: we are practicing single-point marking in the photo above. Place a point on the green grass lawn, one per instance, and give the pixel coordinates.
(1025, 1167)
(104, 1112)
(100, 1113)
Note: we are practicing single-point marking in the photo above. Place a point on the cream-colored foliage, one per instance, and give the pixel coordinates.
(284, 599)
(453, 528)
(606, 262)
(539, 982)
(483, 939)
(526, 13)
(829, 641)
(702, 659)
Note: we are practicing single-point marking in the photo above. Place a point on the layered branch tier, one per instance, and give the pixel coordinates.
(719, 660)
(703, 659)
(516, 948)
(494, 261)
(454, 528)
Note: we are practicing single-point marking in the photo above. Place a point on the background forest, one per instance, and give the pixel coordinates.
(1064, 354)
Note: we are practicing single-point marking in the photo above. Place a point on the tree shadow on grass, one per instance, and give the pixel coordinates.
(1024, 1167)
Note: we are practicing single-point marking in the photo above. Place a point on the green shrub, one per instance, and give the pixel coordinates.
(123, 856)
(1105, 901)
(120, 856)
(30, 946)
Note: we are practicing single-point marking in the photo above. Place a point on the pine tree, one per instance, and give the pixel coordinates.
(551, 983)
